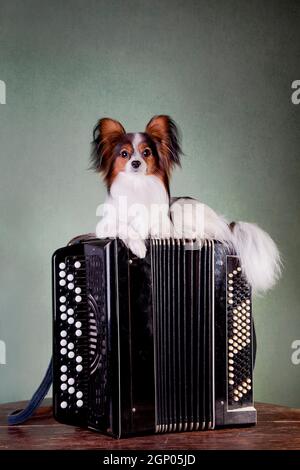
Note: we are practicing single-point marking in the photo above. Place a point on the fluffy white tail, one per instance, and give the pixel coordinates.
(259, 256)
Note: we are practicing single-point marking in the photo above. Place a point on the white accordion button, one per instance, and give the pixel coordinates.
(62, 282)
(70, 320)
(64, 369)
(63, 404)
(63, 351)
(79, 403)
(63, 387)
(70, 285)
(78, 290)
(70, 277)
(79, 394)
(71, 381)
(79, 368)
(78, 333)
(71, 354)
(71, 346)
(62, 274)
(62, 299)
(78, 324)
(62, 308)
(71, 390)
(70, 311)
(78, 359)
(77, 264)
(62, 265)
(63, 316)
(78, 298)
(63, 377)
(63, 333)
(63, 342)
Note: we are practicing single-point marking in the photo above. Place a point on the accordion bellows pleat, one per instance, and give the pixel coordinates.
(161, 344)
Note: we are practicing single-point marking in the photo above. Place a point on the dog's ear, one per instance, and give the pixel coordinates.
(163, 130)
(106, 134)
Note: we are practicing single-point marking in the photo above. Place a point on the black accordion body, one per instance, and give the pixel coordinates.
(151, 345)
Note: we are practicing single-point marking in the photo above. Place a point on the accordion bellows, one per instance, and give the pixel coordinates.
(153, 345)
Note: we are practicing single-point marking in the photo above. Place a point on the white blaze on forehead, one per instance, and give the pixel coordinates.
(142, 168)
(137, 139)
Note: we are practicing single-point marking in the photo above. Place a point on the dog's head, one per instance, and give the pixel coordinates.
(153, 152)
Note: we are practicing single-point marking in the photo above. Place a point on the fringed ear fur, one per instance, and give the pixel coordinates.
(163, 130)
(106, 134)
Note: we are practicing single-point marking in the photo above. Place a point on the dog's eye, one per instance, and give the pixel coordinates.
(146, 153)
(124, 154)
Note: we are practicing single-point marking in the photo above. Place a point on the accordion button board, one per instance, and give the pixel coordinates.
(153, 345)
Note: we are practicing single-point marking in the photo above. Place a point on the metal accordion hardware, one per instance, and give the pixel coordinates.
(153, 345)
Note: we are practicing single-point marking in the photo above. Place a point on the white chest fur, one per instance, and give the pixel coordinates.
(137, 206)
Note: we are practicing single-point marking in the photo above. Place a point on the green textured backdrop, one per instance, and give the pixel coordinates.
(222, 70)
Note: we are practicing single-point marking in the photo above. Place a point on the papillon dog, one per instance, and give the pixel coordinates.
(136, 168)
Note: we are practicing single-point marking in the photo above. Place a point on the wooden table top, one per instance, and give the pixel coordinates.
(278, 428)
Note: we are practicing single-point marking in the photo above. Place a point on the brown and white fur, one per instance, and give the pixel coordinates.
(136, 168)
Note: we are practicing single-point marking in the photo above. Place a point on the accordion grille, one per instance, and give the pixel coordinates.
(182, 275)
(97, 328)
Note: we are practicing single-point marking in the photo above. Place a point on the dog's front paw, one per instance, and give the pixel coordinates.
(137, 247)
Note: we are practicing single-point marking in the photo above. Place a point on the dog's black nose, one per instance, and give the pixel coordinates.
(135, 164)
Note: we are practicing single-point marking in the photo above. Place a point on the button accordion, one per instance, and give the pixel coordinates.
(151, 345)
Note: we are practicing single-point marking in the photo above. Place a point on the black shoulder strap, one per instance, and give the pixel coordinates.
(19, 416)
